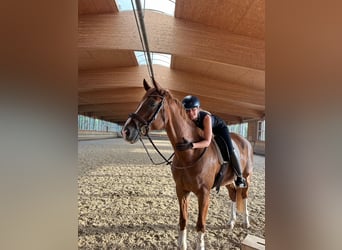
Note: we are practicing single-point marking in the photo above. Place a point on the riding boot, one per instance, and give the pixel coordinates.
(240, 182)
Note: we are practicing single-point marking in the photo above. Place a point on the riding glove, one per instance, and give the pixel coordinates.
(184, 146)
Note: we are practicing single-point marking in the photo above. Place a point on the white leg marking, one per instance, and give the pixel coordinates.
(182, 240)
(246, 214)
(200, 241)
(232, 215)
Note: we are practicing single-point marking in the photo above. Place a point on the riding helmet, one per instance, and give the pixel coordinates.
(190, 102)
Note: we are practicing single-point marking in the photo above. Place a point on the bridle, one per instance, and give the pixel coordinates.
(146, 124)
(143, 130)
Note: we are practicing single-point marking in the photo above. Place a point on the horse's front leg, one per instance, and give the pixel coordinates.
(203, 205)
(183, 199)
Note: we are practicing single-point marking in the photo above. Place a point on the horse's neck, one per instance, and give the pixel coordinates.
(178, 127)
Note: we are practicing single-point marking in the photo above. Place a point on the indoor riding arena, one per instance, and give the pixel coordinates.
(214, 50)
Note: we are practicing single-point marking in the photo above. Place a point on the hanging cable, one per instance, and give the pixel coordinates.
(137, 10)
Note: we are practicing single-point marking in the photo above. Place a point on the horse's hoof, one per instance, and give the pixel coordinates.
(200, 247)
(231, 225)
(247, 224)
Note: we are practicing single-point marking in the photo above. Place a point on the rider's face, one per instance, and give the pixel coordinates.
(192, 113)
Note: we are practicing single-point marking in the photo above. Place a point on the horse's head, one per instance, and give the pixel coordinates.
(147, 114)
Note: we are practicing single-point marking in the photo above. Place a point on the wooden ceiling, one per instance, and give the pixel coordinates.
(217, 52)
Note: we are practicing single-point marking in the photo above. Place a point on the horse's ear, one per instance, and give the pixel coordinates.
(146, 86)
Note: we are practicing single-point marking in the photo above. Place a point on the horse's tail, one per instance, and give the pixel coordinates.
(239, 200)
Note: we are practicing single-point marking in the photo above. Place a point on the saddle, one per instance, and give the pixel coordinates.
(224, 158)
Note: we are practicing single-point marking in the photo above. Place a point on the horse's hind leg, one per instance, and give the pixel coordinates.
(232, 196)
(183, 199)
(243, 193)
(245, 207)
(246, 214)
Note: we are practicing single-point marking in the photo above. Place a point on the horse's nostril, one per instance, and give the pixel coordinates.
(126, 131)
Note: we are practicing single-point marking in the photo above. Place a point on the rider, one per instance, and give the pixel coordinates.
(210, 124)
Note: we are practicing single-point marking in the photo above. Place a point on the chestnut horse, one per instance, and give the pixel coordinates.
(193, 170)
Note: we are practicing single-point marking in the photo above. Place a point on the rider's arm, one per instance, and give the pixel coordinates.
(208, 133)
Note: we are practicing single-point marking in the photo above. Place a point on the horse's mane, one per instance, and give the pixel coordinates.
(178, 103)
(182, 110)
(183, 113)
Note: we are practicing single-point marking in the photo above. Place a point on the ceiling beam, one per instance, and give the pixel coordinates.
(129, 107)
(86, 7)
(108, 81)
(170, 35)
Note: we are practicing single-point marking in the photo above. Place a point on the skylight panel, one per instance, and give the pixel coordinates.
(157, 58)
(164, 6)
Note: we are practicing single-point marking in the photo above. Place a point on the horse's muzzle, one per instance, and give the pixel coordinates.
(130, 133)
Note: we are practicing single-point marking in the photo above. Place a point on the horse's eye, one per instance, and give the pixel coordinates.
(152, 103)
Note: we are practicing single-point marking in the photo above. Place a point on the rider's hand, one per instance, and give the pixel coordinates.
(184, 146)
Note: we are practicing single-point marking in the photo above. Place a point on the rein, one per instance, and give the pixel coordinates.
(167, 161)
(139, 19)
(192, 164)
